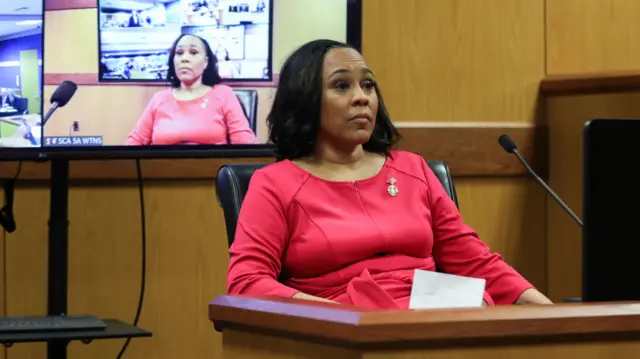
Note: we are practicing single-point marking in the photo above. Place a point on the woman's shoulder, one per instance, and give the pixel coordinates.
(281, 172)
(281, 178)
(222, 90)
(405, 159)
(162, 96)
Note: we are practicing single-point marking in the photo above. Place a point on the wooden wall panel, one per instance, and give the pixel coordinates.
(508, 214)
(587, 36)
(457, 60)
(567, 116)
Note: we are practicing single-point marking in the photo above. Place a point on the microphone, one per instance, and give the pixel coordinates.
(510, 147)
(60, 97)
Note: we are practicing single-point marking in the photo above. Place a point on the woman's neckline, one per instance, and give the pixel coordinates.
(362, 180)
(195, 99)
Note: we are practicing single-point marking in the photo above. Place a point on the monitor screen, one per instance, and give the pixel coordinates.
(611, 193)
(135, 37)
(21, 44)
(194, 115)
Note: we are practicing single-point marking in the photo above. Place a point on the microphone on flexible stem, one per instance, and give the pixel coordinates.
(59, 98)
(510, 147)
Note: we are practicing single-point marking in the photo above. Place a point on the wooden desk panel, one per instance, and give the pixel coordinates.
(288, 328)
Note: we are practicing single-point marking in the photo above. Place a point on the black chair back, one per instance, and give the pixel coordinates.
(249, 101)
(232, 184)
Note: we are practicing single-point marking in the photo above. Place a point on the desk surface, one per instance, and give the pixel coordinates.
(356, 325)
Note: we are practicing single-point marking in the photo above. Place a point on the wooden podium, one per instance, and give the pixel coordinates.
(285, 328)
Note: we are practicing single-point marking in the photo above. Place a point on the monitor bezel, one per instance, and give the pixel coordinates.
(230, 82)
(139, 152)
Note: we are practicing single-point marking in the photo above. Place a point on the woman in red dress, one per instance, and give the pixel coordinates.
(342, 217)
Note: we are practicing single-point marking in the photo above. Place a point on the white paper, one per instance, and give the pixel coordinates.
(433, 290)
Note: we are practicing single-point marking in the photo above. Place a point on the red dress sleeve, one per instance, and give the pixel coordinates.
(237, 123)
(259, 243)
(458, 250)
(142, 133)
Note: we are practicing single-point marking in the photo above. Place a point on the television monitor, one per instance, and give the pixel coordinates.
(21, 73)
(134, 37)
(611, 193)
(101, 120)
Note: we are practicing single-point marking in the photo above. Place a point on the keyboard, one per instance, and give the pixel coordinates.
(31, 324)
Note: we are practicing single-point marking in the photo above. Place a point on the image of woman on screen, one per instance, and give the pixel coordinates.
(197, 109)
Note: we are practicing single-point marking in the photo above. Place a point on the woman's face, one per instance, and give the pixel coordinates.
(190, 59)
(349, 99)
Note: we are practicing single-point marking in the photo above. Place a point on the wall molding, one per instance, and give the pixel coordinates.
(50, 5)
(470, 150)
(91, 79)
(589, 83)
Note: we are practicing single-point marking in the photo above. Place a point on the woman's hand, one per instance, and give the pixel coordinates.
(304, 296)
(532, 296)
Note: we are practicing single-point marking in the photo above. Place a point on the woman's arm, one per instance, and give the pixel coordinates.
(458, 250)
(532, 296)
(141, 134)
(237, 123)
(259, 243)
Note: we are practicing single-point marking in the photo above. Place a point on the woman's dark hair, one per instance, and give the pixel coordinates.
(210, 76)
(294, 120)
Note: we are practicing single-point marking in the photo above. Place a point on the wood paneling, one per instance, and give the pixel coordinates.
(509, 216)
(587, 36)
(472, 149)
(242, 344)
(457, 60)
(590, 83)
(566, 117)
(126, 169)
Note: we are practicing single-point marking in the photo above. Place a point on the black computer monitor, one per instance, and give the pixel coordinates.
(611, 235)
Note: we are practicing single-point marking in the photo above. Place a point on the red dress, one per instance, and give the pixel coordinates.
(354, 243)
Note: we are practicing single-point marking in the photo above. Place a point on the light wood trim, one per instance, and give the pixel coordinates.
(591, 83)
(354, 325)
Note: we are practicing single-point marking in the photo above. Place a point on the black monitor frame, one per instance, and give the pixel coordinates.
(269, 78)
